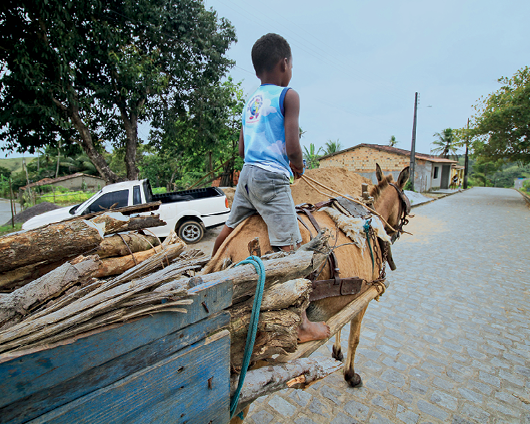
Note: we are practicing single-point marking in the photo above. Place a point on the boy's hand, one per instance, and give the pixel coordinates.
(296, 171)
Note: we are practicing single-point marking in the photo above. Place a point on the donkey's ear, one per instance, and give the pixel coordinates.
(403, 177)
(379, 173)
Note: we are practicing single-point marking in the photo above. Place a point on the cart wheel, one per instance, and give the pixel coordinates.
(191, 232)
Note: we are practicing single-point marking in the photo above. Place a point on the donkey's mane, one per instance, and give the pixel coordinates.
(376, 190)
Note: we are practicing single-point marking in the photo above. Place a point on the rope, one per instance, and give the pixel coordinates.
(367, 228)
(252, 328)
(307, 179)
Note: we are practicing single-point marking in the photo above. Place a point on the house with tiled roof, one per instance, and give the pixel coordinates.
(78, 181)
(431, 172)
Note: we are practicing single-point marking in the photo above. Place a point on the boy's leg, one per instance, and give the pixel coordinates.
(225, 232)
(310, 330)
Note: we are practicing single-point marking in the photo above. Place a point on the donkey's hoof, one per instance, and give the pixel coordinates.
(353, 379)
(337, 354)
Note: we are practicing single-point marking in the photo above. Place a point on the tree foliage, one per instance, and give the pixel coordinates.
(90, 72)
(332, 147)
(392, 141)
(501, 126)
(446, 143)
(311, 156)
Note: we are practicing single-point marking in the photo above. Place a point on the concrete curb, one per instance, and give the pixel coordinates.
(438, 198)
(525, 196)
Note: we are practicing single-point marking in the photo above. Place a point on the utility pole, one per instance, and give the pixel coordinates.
(413, 147)
(466, 161)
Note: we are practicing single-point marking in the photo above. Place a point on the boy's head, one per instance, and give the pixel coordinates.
(268, 51)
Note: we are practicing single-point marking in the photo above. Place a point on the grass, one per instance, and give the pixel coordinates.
(8, 229)
(70, 198)
(14, 164)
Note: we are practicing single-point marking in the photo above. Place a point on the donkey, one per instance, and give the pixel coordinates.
(389, 202)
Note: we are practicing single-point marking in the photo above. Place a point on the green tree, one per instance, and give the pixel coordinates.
(392, 142)
(89, 72)
(311, 156)
(446, 144)
(332, 147)
(501, 126)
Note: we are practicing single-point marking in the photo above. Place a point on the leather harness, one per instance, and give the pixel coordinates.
(337, 286)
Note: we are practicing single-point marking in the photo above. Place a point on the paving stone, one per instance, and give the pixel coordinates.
(387, 350)
(343, 419)
(394, 378)
(304, 420)
(357, 410)
(443, 384)
(377, 418)
(445, 400)
(301, 397)
(470, 395)
(281, 406)
(331, 394)
(262, 417)
(475, 413)
(432, 410)
(395, 364)
(490, 379)
(406, 415)
(318, 407)
(512, 378)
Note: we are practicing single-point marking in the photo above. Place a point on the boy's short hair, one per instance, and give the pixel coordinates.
(268, 50)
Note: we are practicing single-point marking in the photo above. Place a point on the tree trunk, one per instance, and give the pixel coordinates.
(130, 123)
(47, 244)
(86, 143)
(116, 222)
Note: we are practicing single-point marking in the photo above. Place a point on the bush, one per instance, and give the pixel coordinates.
(526, 186)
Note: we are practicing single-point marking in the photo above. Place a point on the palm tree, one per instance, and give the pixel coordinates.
(392, 142)
(332, 147)
(311, 156)
(446, 144)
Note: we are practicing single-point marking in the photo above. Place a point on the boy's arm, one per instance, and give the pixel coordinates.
(241, 144)
(291, 105)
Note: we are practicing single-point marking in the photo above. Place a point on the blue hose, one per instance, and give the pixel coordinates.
(252, 328)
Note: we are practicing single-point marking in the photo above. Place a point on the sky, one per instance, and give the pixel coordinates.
(358, 64)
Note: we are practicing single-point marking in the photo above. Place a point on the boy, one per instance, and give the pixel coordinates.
(269, 142)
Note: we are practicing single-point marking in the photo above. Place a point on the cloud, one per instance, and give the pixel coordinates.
(278, 148)
(266, 108)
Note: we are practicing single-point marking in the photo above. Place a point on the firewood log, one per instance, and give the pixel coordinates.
(115, 222)
(14, 306)
(270, 379)
(48, 244)
(124, 244)
(281, 307)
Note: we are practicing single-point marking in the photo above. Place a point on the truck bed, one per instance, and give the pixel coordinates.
(186, 195)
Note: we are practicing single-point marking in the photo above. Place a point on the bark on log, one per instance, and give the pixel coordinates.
(16, 278)
(48, 244)
(279, 320)
(244, 277)
(14, 306)
(124, 244)
(116, 222)
(270, 379)
(116, 266)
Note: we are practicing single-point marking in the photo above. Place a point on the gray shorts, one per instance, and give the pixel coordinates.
(269, 194)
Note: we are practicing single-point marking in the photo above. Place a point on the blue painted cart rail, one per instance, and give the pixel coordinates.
(167, 368)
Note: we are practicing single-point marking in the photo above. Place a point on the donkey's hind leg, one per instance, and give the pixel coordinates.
(350, 376)
(337, 353)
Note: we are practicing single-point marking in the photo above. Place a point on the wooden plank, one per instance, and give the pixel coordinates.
(191, 386)
(51, 398)
(25, 374)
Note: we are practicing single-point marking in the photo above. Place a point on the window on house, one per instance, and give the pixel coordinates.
(435, 172)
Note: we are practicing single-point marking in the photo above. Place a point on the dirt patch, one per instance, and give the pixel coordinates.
(29, 213)
(338, 179)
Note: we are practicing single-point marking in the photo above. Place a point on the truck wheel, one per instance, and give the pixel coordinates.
(191, 232)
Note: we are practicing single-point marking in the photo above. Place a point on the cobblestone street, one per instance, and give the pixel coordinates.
(450, 340)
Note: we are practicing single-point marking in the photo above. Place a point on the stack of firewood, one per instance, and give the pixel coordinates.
(72, 278)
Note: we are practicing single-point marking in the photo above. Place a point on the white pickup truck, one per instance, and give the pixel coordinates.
(188, 212)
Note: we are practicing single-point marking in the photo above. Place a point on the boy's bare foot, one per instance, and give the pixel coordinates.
(309, 330)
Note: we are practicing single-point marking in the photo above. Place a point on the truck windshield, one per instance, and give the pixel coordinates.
(118, 198)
